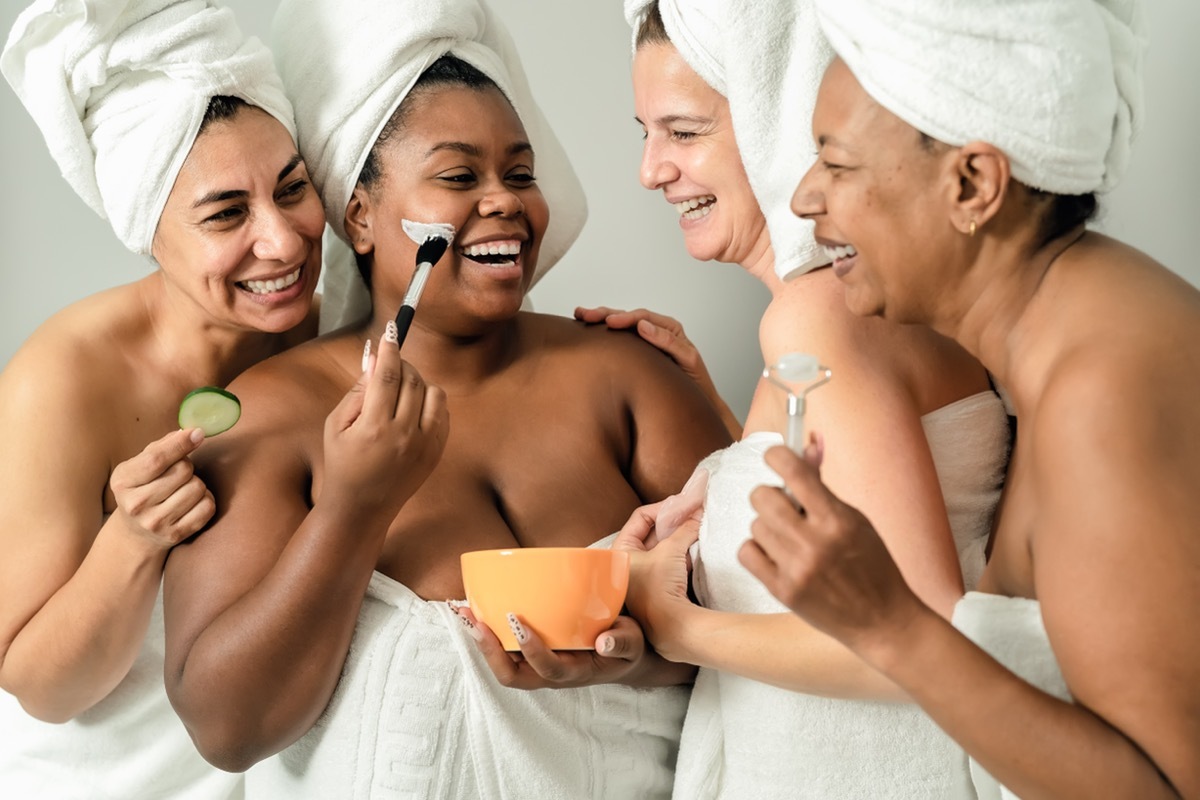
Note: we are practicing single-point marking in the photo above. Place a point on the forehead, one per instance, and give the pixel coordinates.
(662, 76)
(229, 149)
(846, 115)
(461, 113)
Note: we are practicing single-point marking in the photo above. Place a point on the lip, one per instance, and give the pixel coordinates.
(843, 266)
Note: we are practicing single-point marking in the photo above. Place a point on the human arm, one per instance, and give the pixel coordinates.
(666, 333)
(76, 590)
(261, 608)
(877, 453)
(1114, 561)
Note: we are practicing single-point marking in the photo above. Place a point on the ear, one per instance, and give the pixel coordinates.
(983, 174)
(359, 218)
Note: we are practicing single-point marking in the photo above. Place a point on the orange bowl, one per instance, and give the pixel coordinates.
(567, 595)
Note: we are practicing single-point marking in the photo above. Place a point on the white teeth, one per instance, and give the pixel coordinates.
(702, 211)
(684, 206)
(511, 247)
(273, 285)
(838, 253)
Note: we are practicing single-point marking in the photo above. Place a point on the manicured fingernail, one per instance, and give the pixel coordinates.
(197, 436)
(606, 645)
(476, 634)
(390, 333)
(518, 630)
(366, 359)
(648, 326)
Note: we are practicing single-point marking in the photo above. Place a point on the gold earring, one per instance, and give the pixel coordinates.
(971, 230)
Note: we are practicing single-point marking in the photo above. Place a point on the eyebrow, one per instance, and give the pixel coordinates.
(475, 152)
(671, 119)
(219, 195)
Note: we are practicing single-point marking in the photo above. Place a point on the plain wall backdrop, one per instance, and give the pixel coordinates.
(630, 254)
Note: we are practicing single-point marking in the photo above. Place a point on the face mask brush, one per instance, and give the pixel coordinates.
(433, 238)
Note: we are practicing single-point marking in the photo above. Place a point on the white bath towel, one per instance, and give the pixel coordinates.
(1010, 629)
(119, 89)
(348, 64)
(743, 739)
(418, 715)
(1055, 84)
(767, 58)
(129, 746)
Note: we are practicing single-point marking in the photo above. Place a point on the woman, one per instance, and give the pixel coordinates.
(1074, 674)
(778, 708)
(316, 628)
(194, 164)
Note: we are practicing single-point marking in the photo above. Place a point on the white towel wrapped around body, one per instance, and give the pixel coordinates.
(129, 746)
(348, 64)
(119, 89)
(418, 715)
(767, 58)
(1055, 84)
(1011, 630)
(747, 740)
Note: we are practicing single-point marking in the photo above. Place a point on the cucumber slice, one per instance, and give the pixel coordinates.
(210, 409)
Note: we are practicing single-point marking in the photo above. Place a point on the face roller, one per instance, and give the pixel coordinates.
(433, 238)
(803, 370)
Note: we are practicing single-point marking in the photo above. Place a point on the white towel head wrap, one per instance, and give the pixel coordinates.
(119, 89)
(348, 64)
(767, 58)
(1055, 84)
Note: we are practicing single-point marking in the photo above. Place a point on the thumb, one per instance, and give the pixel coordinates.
(624, 640)
(350, 406)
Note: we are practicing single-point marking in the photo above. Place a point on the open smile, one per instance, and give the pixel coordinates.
(497, 254)
(271, 285)
(695, 207)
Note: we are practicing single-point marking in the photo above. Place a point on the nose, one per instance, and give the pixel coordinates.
(277, 238)
(656, 170)
(500, 202)
(808, 200)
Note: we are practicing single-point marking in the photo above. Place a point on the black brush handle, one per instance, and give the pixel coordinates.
(404, 318)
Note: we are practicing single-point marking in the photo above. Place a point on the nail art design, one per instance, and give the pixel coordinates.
(391, 333)
(366, 360)
(518, 629)
(475, 633)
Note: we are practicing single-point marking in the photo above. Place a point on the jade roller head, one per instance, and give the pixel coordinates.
(797, 374)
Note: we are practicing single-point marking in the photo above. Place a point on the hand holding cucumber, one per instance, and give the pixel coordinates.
(158, 496)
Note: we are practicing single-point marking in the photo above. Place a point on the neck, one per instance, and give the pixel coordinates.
(998, 304)
(190, 347)
(761, 264)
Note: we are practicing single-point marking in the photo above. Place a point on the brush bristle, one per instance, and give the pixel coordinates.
(432, 251)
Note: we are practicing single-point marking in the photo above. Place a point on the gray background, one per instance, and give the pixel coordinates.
(630, 253)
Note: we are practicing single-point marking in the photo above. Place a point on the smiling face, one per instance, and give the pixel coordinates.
(240, 234)
(461, 157)
(880, 199)
(691, 156)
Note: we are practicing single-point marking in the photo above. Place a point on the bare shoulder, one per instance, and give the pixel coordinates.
(284, 401)
(576, 347)
(810, 315)
(73, 366)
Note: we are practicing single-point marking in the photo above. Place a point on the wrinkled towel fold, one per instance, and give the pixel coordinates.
(348, 64)
(767, 58)
(417, 714)
(119, 89)
(1055, 84)
(743, 739)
